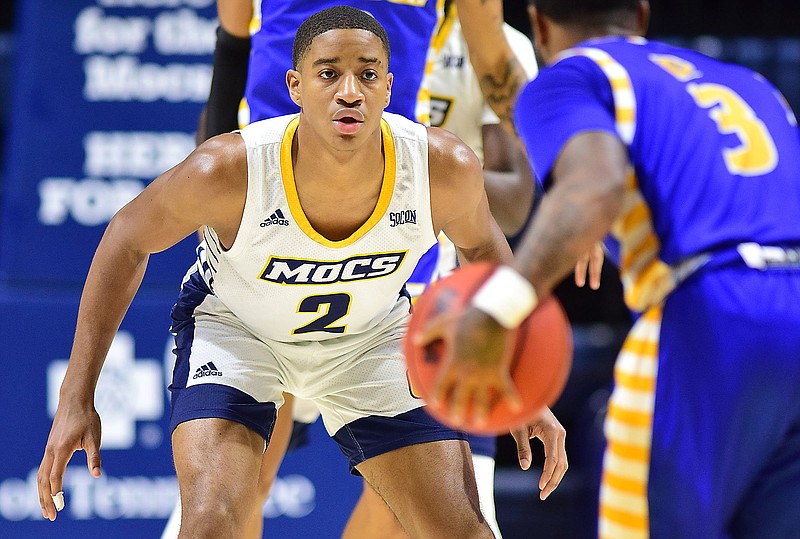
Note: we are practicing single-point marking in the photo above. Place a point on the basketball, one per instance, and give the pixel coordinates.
(541, 362)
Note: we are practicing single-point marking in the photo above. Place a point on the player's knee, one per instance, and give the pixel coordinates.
(217, 506)
(212, 518)
(469, 530)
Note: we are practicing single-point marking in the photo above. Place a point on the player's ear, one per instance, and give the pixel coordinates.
(389, 81)
(537, 26)
(642, 17)
(293, 84)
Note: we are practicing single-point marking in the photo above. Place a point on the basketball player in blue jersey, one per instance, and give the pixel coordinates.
(693, 167)
(254, 67)
(312, 304)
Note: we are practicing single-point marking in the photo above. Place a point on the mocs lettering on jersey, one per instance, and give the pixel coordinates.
(356, 268)
(402, 217)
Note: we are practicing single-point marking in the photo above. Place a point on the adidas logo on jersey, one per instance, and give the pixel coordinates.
(276, 218)
(209, 369)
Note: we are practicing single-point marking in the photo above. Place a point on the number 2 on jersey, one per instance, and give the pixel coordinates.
(332, 306)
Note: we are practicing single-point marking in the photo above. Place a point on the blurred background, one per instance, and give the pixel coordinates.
(97, 97)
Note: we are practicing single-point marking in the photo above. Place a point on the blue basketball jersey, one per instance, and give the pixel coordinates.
(410, 25)
(714, 150)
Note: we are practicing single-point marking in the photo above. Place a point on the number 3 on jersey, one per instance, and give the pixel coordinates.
(756, 155)
(332, 306)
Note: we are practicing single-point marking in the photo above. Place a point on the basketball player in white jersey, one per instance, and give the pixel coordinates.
(313, 224)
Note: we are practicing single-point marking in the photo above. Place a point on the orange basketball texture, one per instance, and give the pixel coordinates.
(542, 352)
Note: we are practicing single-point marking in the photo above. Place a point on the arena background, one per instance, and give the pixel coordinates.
(97, 97)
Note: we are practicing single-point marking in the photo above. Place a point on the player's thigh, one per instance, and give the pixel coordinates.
(430, 487)
(726, 375)
(276, 450)
(222, 370)
(771, 508)
(367, 405)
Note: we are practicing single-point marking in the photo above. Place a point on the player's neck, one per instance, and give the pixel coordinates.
(337, 167)
(564, 38)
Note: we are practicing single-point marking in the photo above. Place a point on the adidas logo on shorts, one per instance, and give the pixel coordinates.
(276, 218)
(209, 369)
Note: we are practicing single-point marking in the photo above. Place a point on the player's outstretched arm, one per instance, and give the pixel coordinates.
(459, 202)
(461, 210)
(576, 213)
(500, 75)
(168, 210)
(230, 66)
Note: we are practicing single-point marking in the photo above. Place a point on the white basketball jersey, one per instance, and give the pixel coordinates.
(457, 103)
(287, 282)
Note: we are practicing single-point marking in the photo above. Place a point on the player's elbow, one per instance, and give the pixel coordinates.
(610, 194)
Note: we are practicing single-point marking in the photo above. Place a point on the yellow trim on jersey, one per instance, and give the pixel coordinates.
(422, 112)
(444, 31)
(255, 21)
(289, 187)
(624, 510)
(621, 88)
(645, 277)
(436, 47)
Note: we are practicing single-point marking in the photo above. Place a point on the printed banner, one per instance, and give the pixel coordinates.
(312, 497)
(107, 95)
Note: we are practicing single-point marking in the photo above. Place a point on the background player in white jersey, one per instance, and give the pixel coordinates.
(457, 105)
(268, 309)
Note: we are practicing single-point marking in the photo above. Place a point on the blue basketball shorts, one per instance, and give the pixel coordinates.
(358, 382)
(703, 426)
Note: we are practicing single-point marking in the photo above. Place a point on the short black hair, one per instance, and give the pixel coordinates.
(334, 18)
(585, 11)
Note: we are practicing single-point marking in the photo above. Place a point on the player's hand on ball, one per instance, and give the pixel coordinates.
(552, 434)
(475, 365)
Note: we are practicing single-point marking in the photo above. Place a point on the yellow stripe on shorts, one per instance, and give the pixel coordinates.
(626, 465)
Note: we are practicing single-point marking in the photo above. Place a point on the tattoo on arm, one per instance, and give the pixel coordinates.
(500, 90)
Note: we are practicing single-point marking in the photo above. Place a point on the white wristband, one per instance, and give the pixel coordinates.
(507, 297)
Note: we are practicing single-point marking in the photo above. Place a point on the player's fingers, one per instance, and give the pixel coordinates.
(596, 266)
(431, 331)
(508, 393)
(43, 485)
(483, 401)
(555, 462)
(558, 472)
(443, 386)
(460, 400)
(91, 444)
(56, 477)
(549, 468)
(523, 440)
(580, 270)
